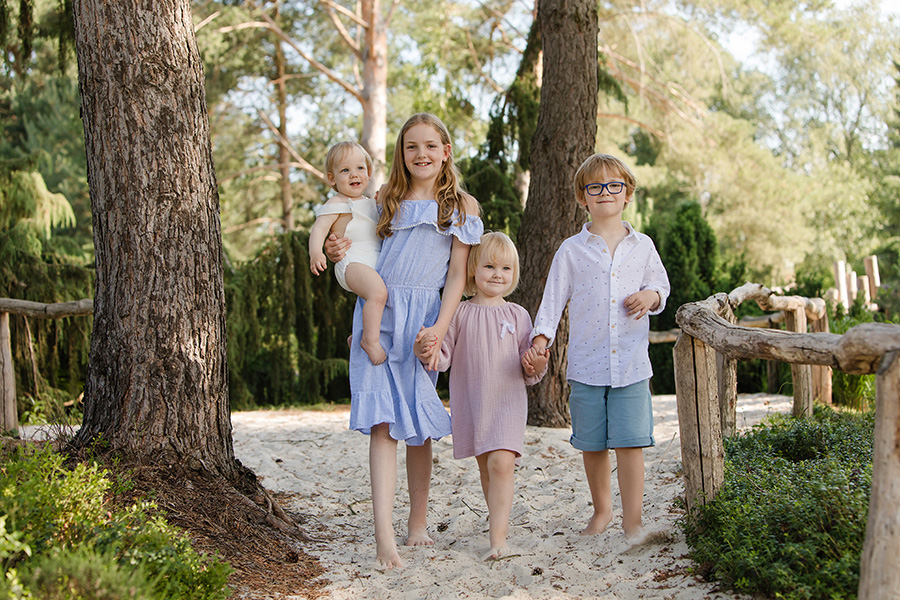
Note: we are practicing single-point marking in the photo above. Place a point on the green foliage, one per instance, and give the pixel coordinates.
(852, 391)
(688, 249)
(65, 540)
(287, 329)
(790, 519)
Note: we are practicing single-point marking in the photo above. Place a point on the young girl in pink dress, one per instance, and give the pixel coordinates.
(488, 345)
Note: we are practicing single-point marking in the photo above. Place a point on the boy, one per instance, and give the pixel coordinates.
(611, 277)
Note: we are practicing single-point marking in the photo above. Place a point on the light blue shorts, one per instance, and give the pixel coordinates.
(605, 417)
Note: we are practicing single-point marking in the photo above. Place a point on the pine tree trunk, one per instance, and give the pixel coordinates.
(156, 385)
(564, 138)
(374, 101)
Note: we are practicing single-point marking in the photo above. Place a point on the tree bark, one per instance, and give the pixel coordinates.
(374, 90)
(284, 153)
(564, 138)
(156, 385)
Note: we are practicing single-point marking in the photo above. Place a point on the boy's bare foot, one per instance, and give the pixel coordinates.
(497, 553)
(387, 555)
(376, 353)
(597, 524)
(419, 537)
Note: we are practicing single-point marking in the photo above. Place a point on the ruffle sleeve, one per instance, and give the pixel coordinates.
(419, 212)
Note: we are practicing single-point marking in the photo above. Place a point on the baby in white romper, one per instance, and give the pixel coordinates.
(350, 213)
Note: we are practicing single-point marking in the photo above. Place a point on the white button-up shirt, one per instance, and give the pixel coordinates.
(606, 346)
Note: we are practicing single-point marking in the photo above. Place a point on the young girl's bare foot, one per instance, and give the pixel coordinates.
(597, 524)
(387, 555)
(374, 350)
(419, 537)
(497, 553)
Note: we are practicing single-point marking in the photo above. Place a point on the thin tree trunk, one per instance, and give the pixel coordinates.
(374, 100)
(564, 138)
(156, 385)
(284, 153)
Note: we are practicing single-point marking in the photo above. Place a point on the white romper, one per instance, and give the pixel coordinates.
(361, 230)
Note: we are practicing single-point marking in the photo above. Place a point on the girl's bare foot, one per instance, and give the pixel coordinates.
(376, 353)
(597, 524)
(419, 537)
(497, 553)
(387, 555)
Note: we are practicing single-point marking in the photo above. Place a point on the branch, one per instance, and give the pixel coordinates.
(206, 21)
(346, 12)
(345, 35)
(497, 87)
(303, 163)
(390, 15)
(253, 222)
(272, 26)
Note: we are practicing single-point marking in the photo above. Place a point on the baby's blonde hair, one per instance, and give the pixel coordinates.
(339, 151)
(495, 246)
(603, 162)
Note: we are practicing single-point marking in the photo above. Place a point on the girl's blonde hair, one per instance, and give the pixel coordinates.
(603, 162)
(339, 151)
(448, 191)
(495, 246)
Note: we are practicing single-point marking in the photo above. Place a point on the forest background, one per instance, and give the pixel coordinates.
(767, 168)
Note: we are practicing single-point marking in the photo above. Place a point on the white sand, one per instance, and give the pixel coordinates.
(314, 455)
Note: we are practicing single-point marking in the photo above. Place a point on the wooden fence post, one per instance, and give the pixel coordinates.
(9, 414)
(821, 375)
(795, 320)
(702, 451)
(871, 264)
(879, 577)
(726, 376)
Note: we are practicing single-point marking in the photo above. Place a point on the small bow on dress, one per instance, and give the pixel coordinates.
(506, 326)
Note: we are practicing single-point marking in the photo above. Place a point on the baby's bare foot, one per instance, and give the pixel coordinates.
(376, 353)
(419, 537)
(597, 524)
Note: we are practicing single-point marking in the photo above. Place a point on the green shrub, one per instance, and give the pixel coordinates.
(790, 519)
(60, 536)
(85, 574)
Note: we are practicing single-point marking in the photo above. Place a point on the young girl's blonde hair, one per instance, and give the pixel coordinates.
(448, 192)
(598, 163)
(339, 151)
(495, 246)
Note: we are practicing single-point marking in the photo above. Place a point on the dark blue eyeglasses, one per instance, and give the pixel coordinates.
(613, 187)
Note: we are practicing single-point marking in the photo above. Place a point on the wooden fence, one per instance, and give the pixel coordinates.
(708, 332)
(9, 416)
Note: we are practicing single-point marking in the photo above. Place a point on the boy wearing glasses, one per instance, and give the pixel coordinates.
(611, 276)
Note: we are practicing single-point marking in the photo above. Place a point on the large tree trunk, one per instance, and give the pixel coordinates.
(374, 90)
(564, 138)
(156, 385)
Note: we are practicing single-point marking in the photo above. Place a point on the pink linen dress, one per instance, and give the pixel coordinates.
(488, 401)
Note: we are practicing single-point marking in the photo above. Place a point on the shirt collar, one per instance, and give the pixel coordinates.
(584, 235)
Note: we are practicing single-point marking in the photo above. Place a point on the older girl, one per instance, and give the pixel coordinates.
(427, 223)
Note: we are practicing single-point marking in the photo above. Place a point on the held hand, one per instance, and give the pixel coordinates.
(642, 302)
(336, 248)
(534, 361)
(317, 264)
(430, 333)
(424, 346)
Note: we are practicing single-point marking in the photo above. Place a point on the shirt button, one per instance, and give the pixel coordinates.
(613, 301)
(613, 326)
(613, 351)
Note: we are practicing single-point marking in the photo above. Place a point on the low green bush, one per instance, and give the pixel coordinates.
(60, 536)
(790, 519)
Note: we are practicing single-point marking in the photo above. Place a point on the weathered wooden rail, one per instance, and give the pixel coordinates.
(9, 415)
(707, 330)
